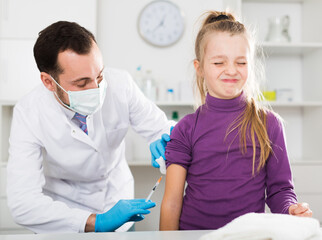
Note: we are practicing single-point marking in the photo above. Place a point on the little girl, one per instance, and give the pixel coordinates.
(231, 151)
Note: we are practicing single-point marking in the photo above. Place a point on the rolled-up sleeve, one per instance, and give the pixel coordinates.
(179, 149)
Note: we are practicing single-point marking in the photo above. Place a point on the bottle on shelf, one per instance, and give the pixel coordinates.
(138, 77)
(149, 86)
(161, 92)
(175, 116)
(269, 95)
(170, 95)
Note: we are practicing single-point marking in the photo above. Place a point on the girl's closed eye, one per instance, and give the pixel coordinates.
(242, 63)
(218, 63)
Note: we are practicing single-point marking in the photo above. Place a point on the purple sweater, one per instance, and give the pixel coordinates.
(220, 184)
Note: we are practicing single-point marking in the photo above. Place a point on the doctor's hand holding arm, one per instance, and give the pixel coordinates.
(157, 148)
(122, 212)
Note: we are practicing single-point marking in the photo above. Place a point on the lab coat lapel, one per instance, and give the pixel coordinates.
(78, 134)
(75, 131)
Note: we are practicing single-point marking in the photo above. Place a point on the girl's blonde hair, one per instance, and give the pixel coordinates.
(253, 118)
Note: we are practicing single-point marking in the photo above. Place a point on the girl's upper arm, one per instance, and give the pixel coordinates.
(175, 181)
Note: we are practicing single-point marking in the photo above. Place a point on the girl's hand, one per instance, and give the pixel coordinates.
(300, 209)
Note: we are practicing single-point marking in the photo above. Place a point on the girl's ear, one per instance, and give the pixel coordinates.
(196, 64)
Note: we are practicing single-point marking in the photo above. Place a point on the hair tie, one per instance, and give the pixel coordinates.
(218, 18)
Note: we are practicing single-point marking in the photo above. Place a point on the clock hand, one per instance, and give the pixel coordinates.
(160, 24)
(162, 21)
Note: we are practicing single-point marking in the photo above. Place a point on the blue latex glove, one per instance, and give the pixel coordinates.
(157, 148)
(122, 212)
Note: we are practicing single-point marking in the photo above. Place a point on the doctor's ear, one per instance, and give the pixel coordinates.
(47, 81)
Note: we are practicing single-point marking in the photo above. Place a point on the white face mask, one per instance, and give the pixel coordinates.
(85, 102)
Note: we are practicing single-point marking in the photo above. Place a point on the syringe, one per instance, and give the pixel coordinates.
(153, 189)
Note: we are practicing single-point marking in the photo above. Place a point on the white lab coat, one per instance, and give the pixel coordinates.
(58, 175)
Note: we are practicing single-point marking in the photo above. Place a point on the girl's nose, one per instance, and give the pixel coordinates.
(230, 69)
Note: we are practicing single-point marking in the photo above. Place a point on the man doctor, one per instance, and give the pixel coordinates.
(67, 170)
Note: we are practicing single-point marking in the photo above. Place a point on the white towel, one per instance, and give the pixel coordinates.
(260, 226)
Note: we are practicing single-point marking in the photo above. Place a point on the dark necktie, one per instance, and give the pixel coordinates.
(82, 121)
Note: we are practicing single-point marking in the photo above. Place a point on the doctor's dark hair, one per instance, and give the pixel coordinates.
(56, 38)
(251, 124)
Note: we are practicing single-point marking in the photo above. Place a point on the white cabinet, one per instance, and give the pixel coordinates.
(293, 66)
(307, 179)
(18, 70)
(7, 224)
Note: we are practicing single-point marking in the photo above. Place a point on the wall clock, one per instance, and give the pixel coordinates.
(161, 23)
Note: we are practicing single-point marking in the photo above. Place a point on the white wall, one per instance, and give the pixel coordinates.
(123, 47)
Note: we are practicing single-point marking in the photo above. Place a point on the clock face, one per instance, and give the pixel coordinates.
(161, 23)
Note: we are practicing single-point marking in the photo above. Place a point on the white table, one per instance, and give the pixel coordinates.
(153, 235)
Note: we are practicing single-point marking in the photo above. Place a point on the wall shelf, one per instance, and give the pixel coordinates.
(275, 1)
(272, 103)
(291, 48)
(175, 103)
(296, 104)
(140, 163)
(306, 162)
(191, 104)
(7, 103)
(3, 164)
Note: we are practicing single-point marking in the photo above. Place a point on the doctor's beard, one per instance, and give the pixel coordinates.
(61, 94)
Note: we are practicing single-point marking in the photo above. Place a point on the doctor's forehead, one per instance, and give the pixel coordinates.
(76, 66)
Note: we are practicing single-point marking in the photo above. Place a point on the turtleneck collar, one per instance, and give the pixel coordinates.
(225, 105)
